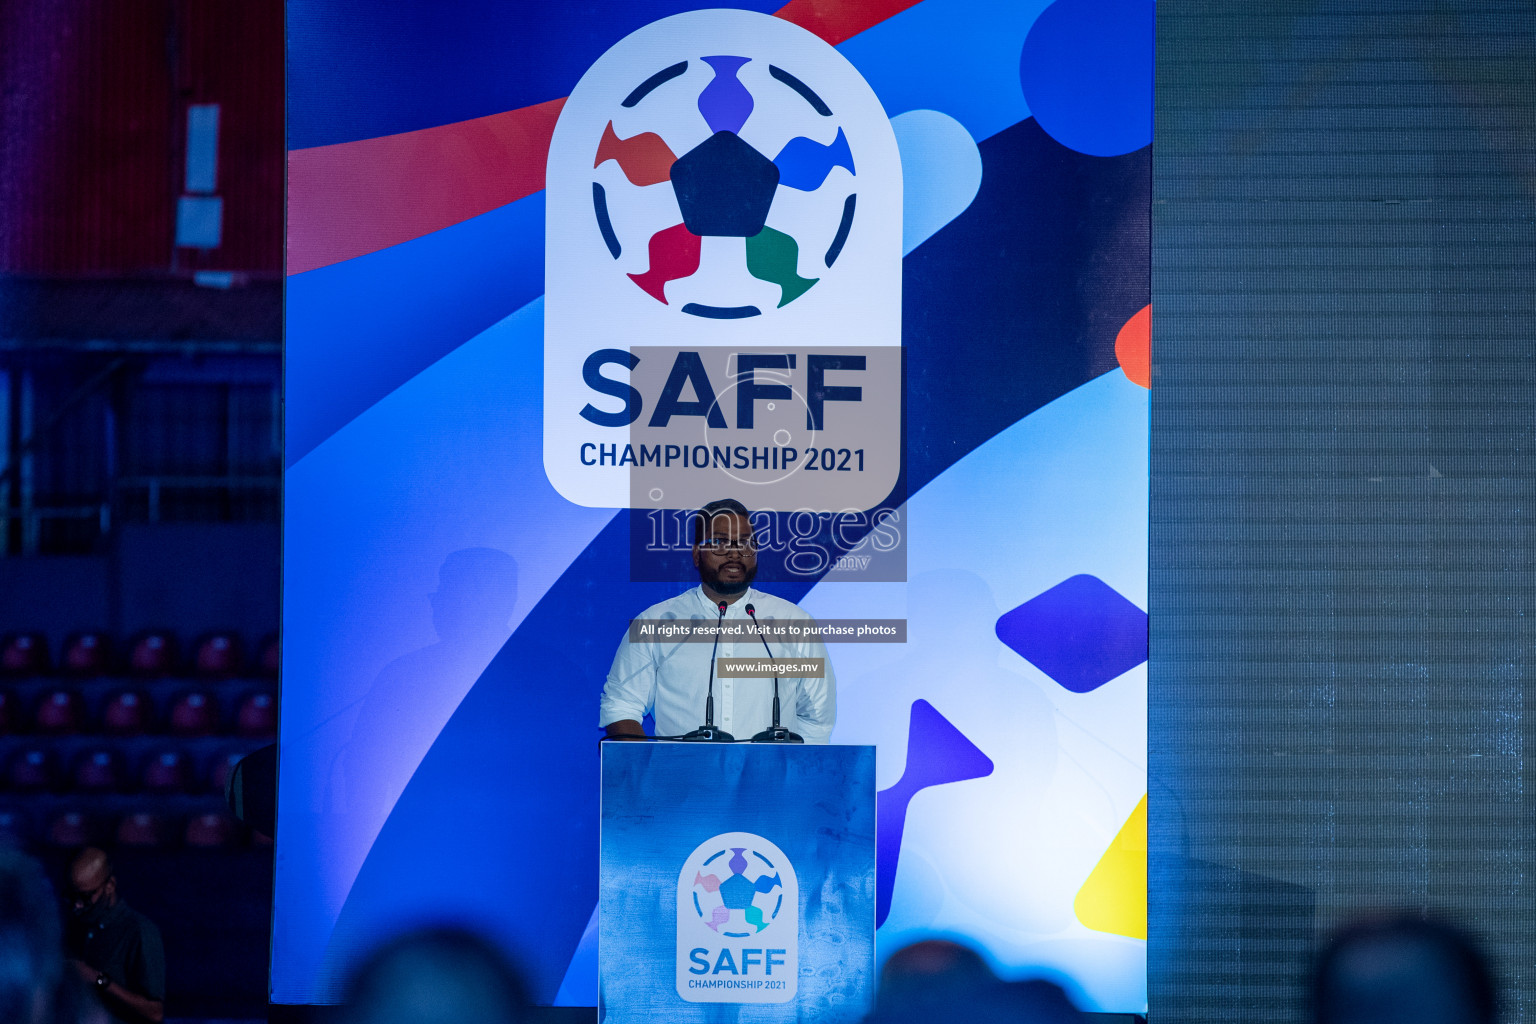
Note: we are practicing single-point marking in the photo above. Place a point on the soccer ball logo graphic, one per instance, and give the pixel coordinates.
(726, 188)
(743, 902)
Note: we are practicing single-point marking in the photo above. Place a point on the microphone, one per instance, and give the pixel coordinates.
(775, 733)
(707, 732)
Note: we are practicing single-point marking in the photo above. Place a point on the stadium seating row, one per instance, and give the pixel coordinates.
(31, 768)
(205, 829)
(150, 654)
(52, 710)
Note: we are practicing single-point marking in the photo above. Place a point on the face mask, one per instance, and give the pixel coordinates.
(91, 913)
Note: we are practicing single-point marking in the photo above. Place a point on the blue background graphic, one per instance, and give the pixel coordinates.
(439, 702)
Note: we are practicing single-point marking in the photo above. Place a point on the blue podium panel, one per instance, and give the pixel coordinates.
(737, 882)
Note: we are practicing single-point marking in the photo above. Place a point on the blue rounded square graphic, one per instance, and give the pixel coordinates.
(1082, 633)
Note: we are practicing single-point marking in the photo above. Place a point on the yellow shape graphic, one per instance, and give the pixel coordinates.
(1114, 899)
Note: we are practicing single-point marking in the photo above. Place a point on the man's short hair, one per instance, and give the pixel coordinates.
(702, 517)
(444, 975)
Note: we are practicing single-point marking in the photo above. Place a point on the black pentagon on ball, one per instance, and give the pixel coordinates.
(724, 187)
(736, 892)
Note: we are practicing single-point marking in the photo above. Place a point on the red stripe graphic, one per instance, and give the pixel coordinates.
(354, 198)
(837, 21)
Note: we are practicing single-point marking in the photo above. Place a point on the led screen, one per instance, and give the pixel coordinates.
(559, 274)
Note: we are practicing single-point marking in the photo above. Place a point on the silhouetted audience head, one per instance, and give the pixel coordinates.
(31, 949)
(1402, 970)
(927, 971)
(436, 976)
(936, 981)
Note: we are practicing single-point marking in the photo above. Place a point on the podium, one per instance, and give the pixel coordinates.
(737, 882)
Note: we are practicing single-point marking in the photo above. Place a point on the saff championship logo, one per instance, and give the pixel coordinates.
(722, 309)
(726, 188)
(738, 922)
(745, 904)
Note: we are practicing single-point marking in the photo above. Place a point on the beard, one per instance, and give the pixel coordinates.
(731, 587)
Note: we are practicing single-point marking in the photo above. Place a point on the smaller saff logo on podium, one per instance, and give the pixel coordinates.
(738, 922)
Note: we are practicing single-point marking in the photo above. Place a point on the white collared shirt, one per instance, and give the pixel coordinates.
(669, 680)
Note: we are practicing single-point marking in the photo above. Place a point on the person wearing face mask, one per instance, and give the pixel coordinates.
(116, 950)
(670, 680)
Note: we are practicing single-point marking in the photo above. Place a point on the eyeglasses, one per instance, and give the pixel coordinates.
(723, 544)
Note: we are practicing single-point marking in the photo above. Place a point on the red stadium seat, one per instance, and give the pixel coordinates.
(194, 713)
(23, 654)
(153, 654)
(143, 829)
(126, 713)
(86, 655)
(72, 828)
(218, 656)
(59, 712)
(271, 657)
(99, 771)
(33, 770)
(208, 831)
(257, 716)
(167, 772)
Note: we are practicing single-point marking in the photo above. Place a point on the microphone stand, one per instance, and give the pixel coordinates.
(707, 733)
(775, 733)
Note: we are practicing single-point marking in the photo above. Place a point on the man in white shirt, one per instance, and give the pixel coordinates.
(670, 679)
